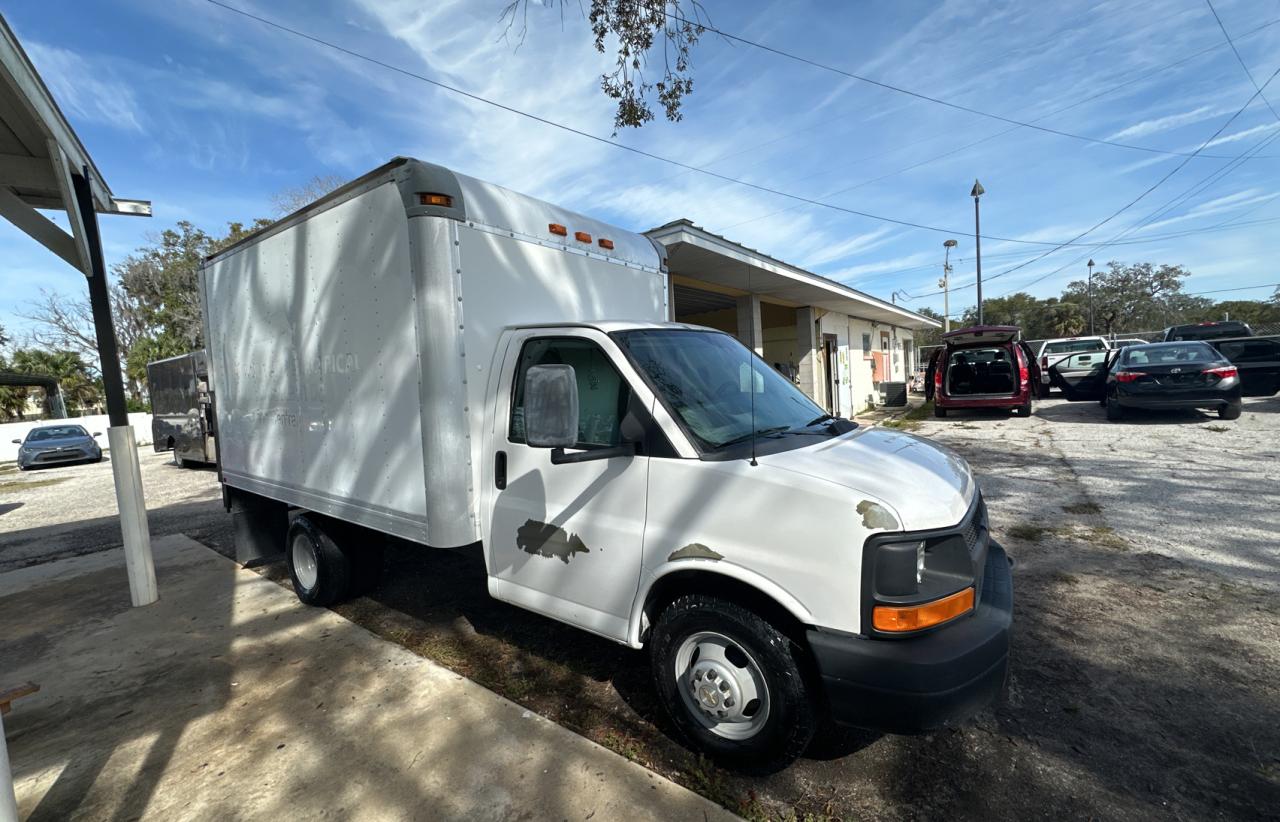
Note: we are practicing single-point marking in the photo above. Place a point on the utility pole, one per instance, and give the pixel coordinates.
(976, 193)
(945, 285)
(1091, 295)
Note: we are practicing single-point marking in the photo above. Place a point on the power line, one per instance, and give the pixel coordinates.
(632, 149)
(998, 134)
(1137, 199)
(1154, 215)
(921, 96)
(1228, 225)
(1240, 59)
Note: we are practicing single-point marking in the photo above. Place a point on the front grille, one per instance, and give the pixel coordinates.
(973, 526)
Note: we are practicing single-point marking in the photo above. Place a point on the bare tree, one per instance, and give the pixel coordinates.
(636, 26)
(291, 199)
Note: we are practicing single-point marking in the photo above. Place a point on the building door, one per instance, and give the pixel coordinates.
(831, 366)
(880, 359)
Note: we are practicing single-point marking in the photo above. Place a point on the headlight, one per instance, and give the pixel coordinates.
(919, 562)
(900, 567)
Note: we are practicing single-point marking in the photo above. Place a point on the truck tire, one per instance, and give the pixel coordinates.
(321, 571)
(732, 684)
(1230, 411)
(1023, 410)
(1115, 411)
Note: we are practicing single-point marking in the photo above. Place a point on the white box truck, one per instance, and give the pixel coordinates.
(426, 355)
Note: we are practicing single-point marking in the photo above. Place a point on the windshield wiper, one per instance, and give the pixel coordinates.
(816, 420)
(763, 432)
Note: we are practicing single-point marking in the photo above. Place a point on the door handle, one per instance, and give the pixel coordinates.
(500, 470)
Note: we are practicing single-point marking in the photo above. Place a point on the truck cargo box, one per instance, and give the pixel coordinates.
(350, 344)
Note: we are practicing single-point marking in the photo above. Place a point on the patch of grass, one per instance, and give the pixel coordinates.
(1028, 532)
(15, 487)
(1083, 508)
(1106, 537)
(910, 421)
(1217, 429)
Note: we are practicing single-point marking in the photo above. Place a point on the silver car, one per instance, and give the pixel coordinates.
(56, 444)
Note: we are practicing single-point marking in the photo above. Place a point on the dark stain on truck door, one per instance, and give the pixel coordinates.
(546, 540)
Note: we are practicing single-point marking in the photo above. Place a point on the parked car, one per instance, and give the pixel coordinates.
(985, 366)
(1207, 331)
(1258, 359)
(1127, 342)
(1053, 350)
(1173, 375)
(57, 445)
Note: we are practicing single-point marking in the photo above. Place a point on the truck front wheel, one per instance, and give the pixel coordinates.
(320, 569)
(732, 683)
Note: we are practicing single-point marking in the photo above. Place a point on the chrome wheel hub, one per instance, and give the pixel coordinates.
(304, 562)
(722, 686)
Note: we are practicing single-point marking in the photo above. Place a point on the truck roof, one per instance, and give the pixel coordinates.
(610, 326)
(433, 190)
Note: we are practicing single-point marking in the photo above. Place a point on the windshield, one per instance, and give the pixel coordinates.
(703, 378)
(1071, 346)
(60, 432)
(1170, 354)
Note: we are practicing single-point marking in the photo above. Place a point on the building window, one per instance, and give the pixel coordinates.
(866, 345)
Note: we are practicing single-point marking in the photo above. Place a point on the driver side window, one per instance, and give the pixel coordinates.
(602, 393)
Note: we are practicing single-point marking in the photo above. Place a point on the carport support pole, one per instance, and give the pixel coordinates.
(8, 798)
(124, 450)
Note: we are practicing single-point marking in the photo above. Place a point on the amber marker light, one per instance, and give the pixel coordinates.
(435, 200)
(556, 228)
(607, 244)
(582, 236)
(895, 619)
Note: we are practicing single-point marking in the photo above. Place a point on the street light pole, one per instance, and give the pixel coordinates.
(945, 285)
(976, 193)
(1090, 296)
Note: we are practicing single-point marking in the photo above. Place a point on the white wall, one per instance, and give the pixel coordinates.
(11, 431)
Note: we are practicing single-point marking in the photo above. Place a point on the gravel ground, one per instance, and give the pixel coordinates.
(68, 510)
(1145, 676)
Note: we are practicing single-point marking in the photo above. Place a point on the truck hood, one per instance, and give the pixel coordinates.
(925, 485)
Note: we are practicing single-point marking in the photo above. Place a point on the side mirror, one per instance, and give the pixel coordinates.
(97, 433)
(17, 442)
(551, 406)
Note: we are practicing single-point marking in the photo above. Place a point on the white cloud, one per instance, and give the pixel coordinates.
(84, 90)
(1168, 122)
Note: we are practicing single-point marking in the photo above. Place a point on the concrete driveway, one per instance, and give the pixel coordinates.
(229, 699)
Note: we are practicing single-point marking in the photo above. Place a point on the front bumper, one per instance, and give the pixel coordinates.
(926, 682)
(60, 457)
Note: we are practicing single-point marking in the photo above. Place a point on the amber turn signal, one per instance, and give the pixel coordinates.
(435, 200)
(896, 619)
(556, 228)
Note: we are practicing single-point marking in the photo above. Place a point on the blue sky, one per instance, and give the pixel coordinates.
(208, 114)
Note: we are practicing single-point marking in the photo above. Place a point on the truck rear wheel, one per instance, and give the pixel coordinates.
(320, 569)
(732, 684)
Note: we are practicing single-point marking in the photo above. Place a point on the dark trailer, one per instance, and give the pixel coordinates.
(182, 419)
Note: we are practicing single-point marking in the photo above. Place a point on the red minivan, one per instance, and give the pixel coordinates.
(986, 366)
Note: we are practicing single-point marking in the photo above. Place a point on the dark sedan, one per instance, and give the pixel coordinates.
(1158, 376)
(57, 444)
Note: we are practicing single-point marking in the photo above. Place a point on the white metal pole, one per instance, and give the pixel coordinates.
(8, 797)
(133, 515)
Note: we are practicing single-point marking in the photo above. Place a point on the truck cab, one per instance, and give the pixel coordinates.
(660, 485)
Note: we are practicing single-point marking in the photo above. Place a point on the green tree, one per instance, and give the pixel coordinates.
(635, 30)
(1253, 312)
(928, 336)
(81, 389)
(1138, 297)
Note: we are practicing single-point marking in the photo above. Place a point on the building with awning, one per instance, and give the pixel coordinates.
(45, 167)
(837, 343)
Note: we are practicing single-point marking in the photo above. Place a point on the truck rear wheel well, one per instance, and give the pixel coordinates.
(674, 585)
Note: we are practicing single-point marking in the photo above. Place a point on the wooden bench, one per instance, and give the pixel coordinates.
(7, 696)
